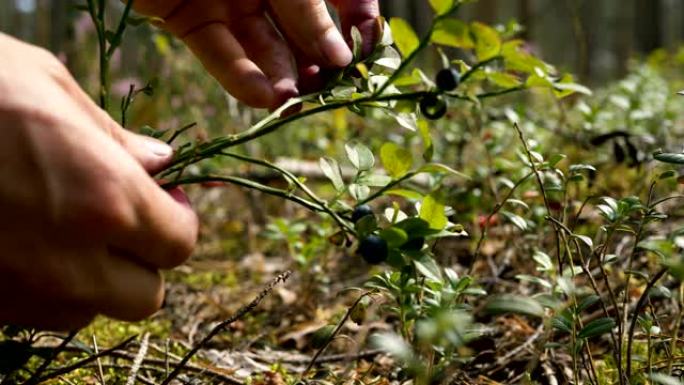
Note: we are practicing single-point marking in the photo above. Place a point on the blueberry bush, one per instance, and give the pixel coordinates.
(485, 219)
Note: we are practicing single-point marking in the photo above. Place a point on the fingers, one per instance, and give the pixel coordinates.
(364, 15)
(131, 292)
(164, 232)
(110, 284)
(308, 25)
(266, 48)
(156, 227)
(224, 57)
(44, 314)
(152, 154)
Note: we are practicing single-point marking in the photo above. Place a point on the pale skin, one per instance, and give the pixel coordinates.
(86, 230)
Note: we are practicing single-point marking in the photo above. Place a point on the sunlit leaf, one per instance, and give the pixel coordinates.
(432, 212)
(442, 6)
(487, 41)
(396, 160)
(405, 37)
(515, 304)
(331, 169)
(453, 33)
(360, 156)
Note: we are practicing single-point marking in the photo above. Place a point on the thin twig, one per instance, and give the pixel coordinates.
(223, 325)
(78, 365)
(635, 317)
(485, 228)
(335, 331)
(34, 379)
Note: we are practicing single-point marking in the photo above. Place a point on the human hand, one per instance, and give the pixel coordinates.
(84, 228)
(264, 52)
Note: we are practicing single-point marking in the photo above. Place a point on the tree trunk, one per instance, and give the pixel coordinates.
(649, 25)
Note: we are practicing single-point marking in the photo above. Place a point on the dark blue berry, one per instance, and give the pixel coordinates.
(373, 249)
(448, 79)
(433, 107)
(360, 212)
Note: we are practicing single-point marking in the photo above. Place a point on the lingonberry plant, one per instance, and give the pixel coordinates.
(395, 204)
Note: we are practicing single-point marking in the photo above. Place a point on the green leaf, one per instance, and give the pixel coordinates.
(416, 227)
(359, 192)
(374, 180)
(516, 59)
(428, 267)
(437, 168)
(487, 41)
(504, 80)
(332, 170)
(669, 158)
(366, 225)
(517, 220)
(394, 345)
(597, 327)
(405, 193)
(533, 279)
(394, 236)
(566, 86)
(404, 36)
(585, 239)
(357, 42)
(543, 260)
(360, 156)
(561, 323)
(452, 33)
(432, 212)
(397, 161)
(586, 302)
(664, 379)
(321, 336)
(515, 304)
(428, 148)
(441, 6)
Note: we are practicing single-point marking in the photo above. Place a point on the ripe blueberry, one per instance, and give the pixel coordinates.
(360, 212)
(448, 79)
(433, 107)
(373, 249)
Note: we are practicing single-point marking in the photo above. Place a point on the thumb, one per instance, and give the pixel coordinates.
(151, 153)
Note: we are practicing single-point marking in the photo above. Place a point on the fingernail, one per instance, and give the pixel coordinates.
(158, 148)
(335, 48)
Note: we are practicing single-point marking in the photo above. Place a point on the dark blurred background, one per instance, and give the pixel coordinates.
(593, 38)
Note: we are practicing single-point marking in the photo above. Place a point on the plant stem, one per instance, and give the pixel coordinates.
(495, 211)
(293, 179)
(246, 183)
(635, 317)
(424, 43)
(82, 363)
(542, 189)
(46, 363)
(335, 332)
(272, 123)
